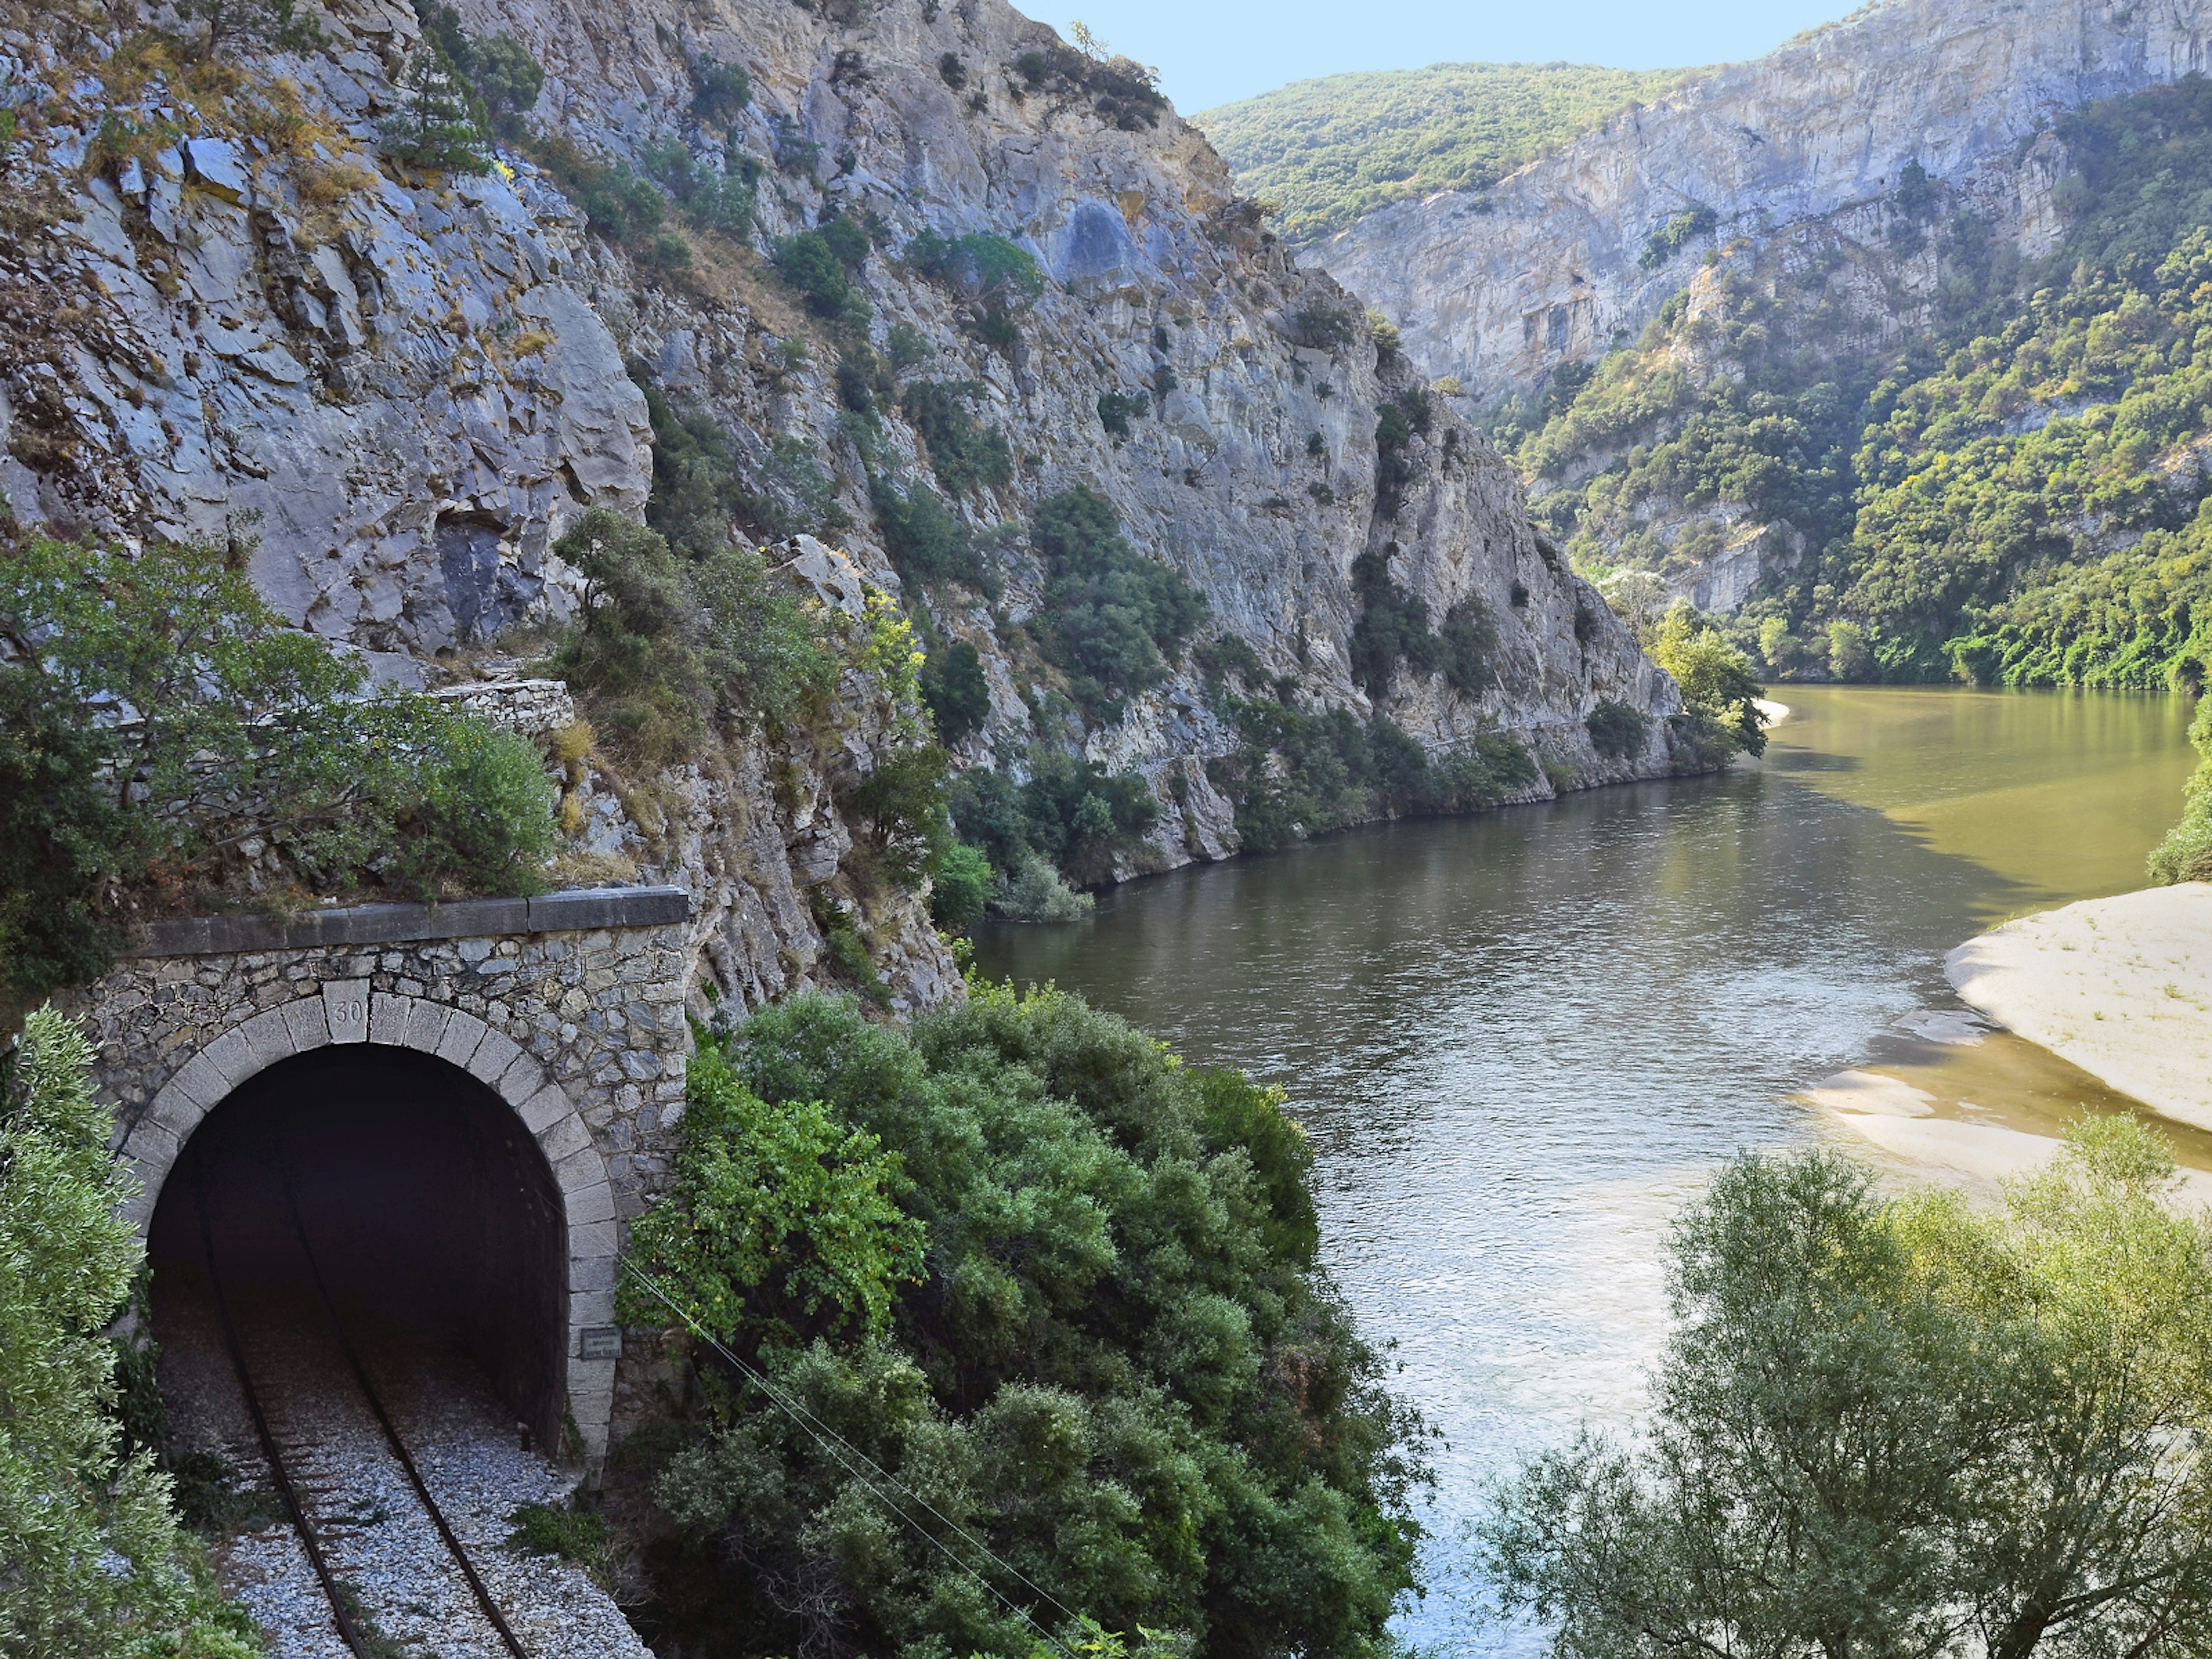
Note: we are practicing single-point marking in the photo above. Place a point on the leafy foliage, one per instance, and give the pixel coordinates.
(958, 694)
(158, 723)
(1117, 409)
(722, 91)
(963, 452)
(1115, 619)
(1392, 631)
(1333, 149)
(1616, 729)
(2186, 854)
(809, 263)
(926, 542)
(1715, 677)
(1899, 1426)
(780, 1223)
(498, 72)
(96, 1565)
(700, 494)
(432, 125)
(1122, 92)
(1695, 221)
(1072, 815)
(1295, 775)
(961, 887)
(666, 644)
(981, 265)
(1121, 1366)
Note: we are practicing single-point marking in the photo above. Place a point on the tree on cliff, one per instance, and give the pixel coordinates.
(1904, 1427)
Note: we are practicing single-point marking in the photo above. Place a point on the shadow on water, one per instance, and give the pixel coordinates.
(1520, 1040)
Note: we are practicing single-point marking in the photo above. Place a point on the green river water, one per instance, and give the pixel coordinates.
(1520, 1040)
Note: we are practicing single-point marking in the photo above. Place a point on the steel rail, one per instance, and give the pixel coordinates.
(390, 1431)
(340, 1612)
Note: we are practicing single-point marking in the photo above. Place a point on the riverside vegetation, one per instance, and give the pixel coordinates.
(2014, 496)
(1899, 1426)
(1061, 1288)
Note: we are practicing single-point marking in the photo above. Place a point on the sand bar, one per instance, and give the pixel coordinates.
(2120, 986)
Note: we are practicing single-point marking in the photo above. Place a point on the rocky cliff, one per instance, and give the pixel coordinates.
(1578, 252)
(228, 313)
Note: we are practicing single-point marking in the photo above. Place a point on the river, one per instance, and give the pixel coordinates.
(1520, 1040)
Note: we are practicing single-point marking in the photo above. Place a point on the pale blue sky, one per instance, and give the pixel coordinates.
(1212, 52)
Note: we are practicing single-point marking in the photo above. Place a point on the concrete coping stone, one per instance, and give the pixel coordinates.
(578, 910)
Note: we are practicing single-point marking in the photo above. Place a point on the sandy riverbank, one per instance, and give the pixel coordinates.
(2120, 986)
(2105, 1006)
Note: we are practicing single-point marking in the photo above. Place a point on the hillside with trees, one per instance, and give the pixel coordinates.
(2010, 491)
(1330, 150)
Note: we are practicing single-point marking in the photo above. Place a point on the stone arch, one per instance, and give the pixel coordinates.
(349, 1012)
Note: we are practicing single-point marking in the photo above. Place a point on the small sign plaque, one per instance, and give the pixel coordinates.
(601, 1342)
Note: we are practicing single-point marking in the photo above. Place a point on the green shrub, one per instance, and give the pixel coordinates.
(697, 492)
(899, 805)
(1392, 627)
(960, 887)
(1121, 1366)
(810, 265)
(664, 645)
(500, 73)
(1616, 730)
(1083, 818)
(96, 1564)
(963, 452)
(483, 817)
(1295, 775)
(781, 1222)
(248, 735)
(1325, 328)
(1896, 1415)
(1467, 645)
(722, 91)
(1035, 892)
(907, 347)
(982, 265)
(1397, 423)
(1116, 620)
(721, 200)
(2186, 854)
(958, 694)
(847, 239)
(1117, 409)
(1663, 243)
(1715, 677)
(926, 542)
(432, 124)
(1227, 658)
(1073, 813)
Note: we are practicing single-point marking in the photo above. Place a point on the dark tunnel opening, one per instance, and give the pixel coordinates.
(410, 1186)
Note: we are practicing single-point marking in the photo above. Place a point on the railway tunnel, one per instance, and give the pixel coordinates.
(381, 1188)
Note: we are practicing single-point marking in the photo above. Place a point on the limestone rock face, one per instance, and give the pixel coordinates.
(393, 390)
(1546, 266)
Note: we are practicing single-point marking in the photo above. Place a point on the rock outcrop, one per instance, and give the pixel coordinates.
(1550, 265)
(227, 315)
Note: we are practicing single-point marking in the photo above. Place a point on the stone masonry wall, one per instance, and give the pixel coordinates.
(580, 1030)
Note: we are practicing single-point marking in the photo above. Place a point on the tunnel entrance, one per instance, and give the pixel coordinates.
(409, 1188)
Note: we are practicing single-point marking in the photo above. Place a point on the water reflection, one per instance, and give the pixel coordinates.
(1519, 1040)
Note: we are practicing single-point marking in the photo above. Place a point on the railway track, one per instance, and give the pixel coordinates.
(318, 1481)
